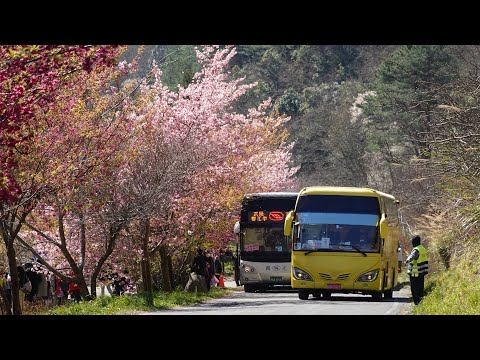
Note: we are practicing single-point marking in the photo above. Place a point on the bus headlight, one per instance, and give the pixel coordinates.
(368, 276)
(248, 268)
(300, 274)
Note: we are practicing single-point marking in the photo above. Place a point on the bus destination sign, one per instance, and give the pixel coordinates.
(266, 216)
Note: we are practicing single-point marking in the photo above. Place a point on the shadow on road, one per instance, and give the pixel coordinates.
(255, 300)
(401, 285)
(239, 303)
(365, 298)
(276, 291)
(337, 297)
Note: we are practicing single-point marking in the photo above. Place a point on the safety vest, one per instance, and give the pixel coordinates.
(419, 266)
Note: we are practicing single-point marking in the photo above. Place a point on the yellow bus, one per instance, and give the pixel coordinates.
(345, 240)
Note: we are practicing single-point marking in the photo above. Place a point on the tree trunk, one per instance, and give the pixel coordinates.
(4, 300)
(96, 271)
(9, 232)
(112, 237)
(93, 286)
(78, 273)
(80, 279)
(83, 241)
(166, 284)
(12, 264)
(170, 271)
(84, 293)
(146, 268)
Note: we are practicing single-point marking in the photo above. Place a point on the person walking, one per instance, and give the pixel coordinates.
(210, 272)
(35, 280)
(199, 266)
(218, 269)
(25, 286)
(417, 262)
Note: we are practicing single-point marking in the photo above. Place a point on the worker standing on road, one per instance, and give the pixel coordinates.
(417, 269)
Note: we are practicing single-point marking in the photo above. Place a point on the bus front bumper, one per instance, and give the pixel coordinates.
(337, 286)
(265, 278)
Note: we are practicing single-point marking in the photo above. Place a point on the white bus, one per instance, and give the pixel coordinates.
(263, 255)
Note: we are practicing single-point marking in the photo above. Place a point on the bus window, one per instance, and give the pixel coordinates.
(265, 239)
(337, 237)
(253, 239)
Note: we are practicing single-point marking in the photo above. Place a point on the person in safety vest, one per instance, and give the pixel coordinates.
(417, 262)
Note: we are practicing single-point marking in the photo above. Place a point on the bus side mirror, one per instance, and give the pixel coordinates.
(383, 227)
(236, 231)
(383, 231)
(236, 228)
(287, 226)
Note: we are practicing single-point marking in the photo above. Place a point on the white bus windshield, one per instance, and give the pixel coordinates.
(265, 239)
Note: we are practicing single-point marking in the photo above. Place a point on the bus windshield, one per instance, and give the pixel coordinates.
(337, 223)
(265, 239)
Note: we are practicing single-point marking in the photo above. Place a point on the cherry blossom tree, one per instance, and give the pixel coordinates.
(220, 150)
(86, 144)
(30, 78)
(139, 168)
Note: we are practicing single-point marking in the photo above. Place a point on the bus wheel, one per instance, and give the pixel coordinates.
(303, 294)
(327, 295)
(377, 296)
(249, 288)
(388, 294)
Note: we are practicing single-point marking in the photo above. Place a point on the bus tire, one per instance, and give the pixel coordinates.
(377, 296)
(303, 294)
(327, 295)
(388, 294)
(248, 288)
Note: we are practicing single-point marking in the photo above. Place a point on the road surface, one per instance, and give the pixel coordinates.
(288, 303)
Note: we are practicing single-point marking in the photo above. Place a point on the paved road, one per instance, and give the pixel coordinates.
(288, 303)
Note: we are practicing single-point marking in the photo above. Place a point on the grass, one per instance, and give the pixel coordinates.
(131, 304)
(452, 292)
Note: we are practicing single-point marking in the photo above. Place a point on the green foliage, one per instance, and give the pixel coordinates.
(330, 140)
(179, 66)
(128, 304)
(248, 54)
(346, 56)
(229, 268)
(303, 82)
(406, 88)
(288, 103)
(283, 69)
